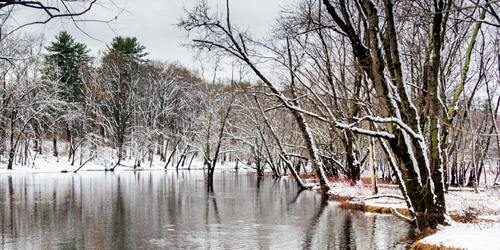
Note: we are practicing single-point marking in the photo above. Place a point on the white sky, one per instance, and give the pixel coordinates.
(153, 23)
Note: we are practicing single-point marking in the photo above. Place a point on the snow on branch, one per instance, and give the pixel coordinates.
(365, 131)
(288, 104)
(297, 156)
(400, 215)
(11, 59)
(397, 121)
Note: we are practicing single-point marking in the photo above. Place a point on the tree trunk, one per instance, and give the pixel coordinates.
(54, 145)
(191, 161)
(373, 167)
(316, 162)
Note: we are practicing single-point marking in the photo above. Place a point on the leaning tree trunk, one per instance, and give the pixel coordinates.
(312, 149)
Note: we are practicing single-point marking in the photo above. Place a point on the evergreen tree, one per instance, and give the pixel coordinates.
(65, 63)
(126, 53)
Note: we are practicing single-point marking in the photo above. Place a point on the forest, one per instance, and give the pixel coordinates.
(393, 92)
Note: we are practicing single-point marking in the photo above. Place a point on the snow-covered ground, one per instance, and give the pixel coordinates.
(484, 205)
(485, 236)
(102, 158)
(46, 163)
(483, 233)
(49, 164)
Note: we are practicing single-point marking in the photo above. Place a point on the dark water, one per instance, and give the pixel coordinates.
(158, 210)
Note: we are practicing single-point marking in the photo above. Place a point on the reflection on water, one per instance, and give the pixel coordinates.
(159, 210)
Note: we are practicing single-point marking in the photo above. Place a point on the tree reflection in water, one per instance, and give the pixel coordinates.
(177, 210)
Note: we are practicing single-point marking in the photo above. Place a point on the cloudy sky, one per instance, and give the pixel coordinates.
(153, 23)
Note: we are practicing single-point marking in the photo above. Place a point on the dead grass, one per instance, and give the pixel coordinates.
(340, 198)
(421, 246)
(360, 206)
(467, 215)
(308, 176)
(352, 205)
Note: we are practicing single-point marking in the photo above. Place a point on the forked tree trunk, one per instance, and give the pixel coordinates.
(418, 170)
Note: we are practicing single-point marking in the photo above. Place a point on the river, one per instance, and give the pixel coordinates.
(176, 210)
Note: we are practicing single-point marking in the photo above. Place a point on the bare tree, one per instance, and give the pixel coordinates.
(27, 100)
(217, 33)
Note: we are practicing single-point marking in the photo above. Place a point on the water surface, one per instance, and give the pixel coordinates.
(169, 210)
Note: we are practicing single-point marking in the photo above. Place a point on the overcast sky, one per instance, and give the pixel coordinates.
(153, 23)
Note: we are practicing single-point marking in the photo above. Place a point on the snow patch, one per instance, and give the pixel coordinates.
(467, 236)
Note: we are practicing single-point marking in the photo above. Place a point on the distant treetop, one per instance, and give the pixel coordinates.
(126, 47)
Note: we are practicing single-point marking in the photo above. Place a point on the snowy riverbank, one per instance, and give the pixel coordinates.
(478, 214)
(51, 164)
(481, 235)
(464, 204)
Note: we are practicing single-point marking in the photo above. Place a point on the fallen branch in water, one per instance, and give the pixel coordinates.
(83, 164)
(401, 216)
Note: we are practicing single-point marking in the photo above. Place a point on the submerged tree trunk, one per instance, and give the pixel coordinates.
(170, 157)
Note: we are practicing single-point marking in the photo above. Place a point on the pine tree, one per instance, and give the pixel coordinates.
(125, 53)
(65, 63)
